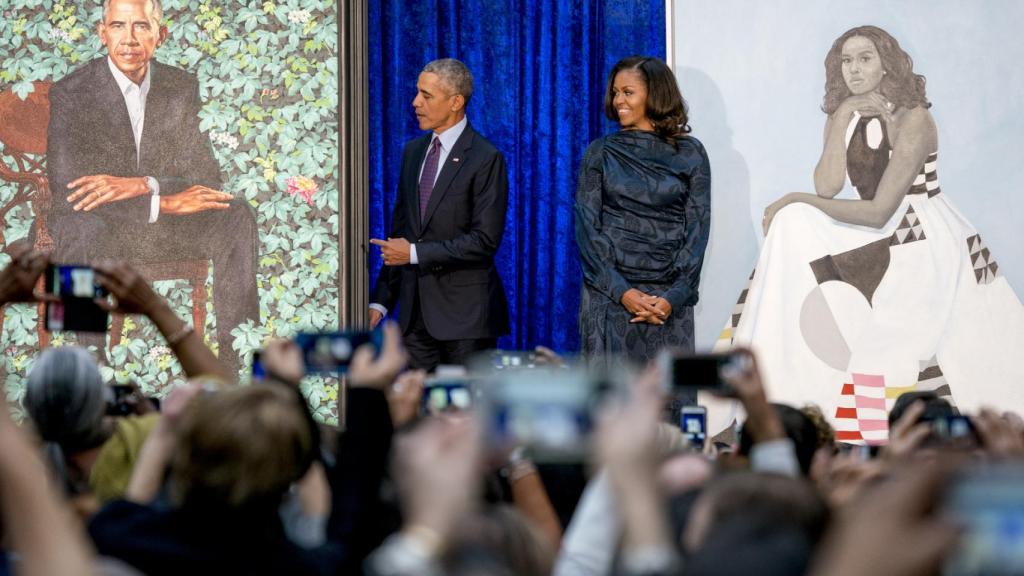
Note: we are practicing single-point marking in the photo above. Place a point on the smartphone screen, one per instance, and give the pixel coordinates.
(331, 352)
(702, 371)
(693, 421)
(442, 395)
(547, 411)
(987, 505)
(117, 404)
(76, 286)
(259, 373)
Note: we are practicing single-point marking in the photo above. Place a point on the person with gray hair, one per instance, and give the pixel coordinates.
(453, 75)
(447, 225)
(65, 401)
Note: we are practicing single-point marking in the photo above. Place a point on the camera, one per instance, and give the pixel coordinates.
(77, 288)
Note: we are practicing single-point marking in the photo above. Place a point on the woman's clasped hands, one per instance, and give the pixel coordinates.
(646, 307)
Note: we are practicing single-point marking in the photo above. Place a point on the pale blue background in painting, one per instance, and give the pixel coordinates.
(753, 73)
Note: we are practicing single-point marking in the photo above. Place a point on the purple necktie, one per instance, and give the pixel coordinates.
(427, 178)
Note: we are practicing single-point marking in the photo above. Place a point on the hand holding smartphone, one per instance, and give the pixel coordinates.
(693, 421)
(549, 412)
(446, 394)
(76, 288)
(691, 372)
(331, 352)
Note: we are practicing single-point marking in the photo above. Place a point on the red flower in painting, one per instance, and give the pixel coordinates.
(302, 186)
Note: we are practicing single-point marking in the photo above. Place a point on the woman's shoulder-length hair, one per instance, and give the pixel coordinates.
(900, 85)
(666, 108)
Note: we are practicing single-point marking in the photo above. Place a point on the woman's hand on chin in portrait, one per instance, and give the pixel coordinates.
(871, 105)
(643, 308)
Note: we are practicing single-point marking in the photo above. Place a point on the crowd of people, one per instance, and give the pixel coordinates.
(240, 479)
(223, 478)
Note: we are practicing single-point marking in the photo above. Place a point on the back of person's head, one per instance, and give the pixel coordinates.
(65, 398)
(934, 406)
(799, 428)
(826, 433)
(751, 545)
(498, 541)
(241, 448)
(65, 401)
(740, 510)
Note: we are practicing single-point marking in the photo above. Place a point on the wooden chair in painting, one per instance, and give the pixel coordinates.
(23, 131)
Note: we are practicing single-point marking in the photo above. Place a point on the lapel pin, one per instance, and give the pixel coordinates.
(455, 159)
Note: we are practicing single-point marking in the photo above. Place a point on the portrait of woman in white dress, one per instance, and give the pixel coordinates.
(854, 301)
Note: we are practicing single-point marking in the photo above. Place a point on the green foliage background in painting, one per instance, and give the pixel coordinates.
(268, 78)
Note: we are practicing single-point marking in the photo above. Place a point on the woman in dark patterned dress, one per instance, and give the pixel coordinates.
(643, 213)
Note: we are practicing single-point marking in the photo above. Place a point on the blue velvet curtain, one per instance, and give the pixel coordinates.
(540, 68)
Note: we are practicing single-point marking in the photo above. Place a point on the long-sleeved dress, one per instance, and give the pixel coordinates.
(643, 213)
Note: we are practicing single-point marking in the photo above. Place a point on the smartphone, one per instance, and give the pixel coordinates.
(120, 402)
(690, 372)
(331, 352)
(549, 412)
(446, 394)
(117, 400)
(77, 288)
(986, 503)
(511, 360)
(258, 373)
(693, 421)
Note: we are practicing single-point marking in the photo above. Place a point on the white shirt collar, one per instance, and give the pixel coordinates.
(124, 83)
(450, 136)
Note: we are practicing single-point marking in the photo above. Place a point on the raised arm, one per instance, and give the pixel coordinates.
(133, 295)
(40, 528)
(915, 138)
(830, 173)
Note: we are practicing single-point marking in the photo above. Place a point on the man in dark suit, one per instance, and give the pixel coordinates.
(447, 225)
(133, 177)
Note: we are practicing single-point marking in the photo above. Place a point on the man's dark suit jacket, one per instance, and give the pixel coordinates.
(90, 133)
(459, 292)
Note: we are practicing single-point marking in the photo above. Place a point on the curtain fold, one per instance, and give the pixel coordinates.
(540, 68)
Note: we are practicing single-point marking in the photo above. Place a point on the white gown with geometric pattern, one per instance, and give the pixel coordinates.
(849, 317)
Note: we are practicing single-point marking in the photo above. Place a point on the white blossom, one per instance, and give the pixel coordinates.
(298, 16)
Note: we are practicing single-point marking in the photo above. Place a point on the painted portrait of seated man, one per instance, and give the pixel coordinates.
(132, 175)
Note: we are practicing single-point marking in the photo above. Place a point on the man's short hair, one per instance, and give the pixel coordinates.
(454, 76)
(154, 5)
